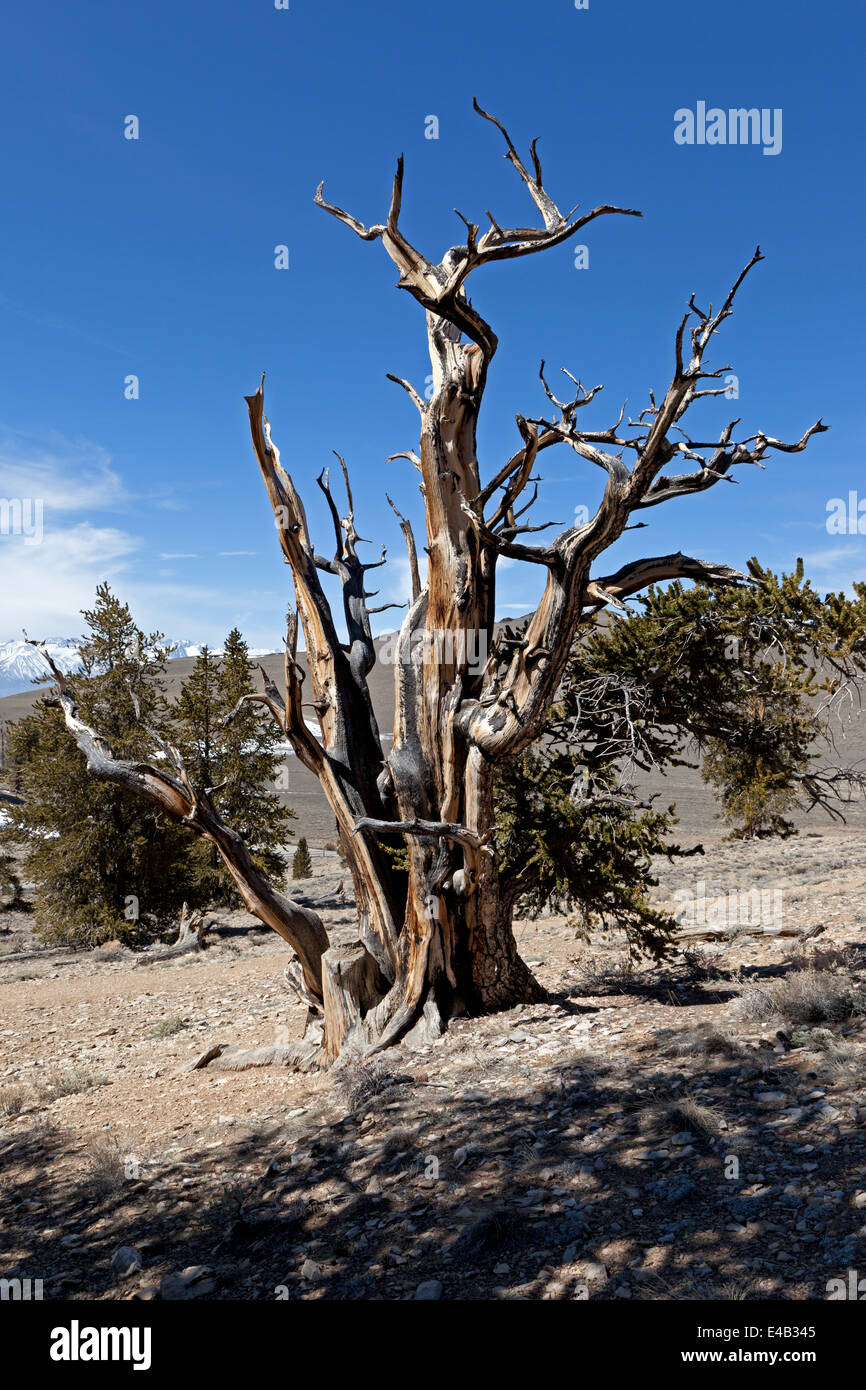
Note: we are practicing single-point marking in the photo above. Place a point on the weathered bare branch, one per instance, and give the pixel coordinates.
(439, 286)
(348, 759)
(432, 829)
(413, 396)
(299, 926)
(409, 537)
(639, 573)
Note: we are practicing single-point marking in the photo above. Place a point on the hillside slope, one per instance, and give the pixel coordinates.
(696, 803)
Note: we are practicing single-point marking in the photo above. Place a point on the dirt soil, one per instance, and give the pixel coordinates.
(689, 1130)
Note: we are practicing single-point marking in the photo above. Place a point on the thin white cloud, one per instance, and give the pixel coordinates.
(72, 478)
(838, 566)
(43, 587)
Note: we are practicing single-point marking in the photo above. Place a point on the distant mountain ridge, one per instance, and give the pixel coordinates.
(21, 664)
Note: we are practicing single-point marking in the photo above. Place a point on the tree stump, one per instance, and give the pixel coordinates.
(349, 989)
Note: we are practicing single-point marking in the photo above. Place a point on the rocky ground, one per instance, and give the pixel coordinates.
(680, 1131)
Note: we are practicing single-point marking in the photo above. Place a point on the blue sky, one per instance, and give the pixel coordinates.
(155, 257)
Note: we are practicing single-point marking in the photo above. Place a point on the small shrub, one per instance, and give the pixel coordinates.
(701, 965)
(489, 1233)
(70, 1083)
(712, 1042)
(616, 976)
(804, 997)
(302, 863)
(167, 1027)
(362, 1082)
(12, 1100)
(224, 1211)
(105, 1166)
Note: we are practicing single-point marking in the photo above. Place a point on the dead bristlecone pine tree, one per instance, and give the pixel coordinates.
(302, 864)
(437, 941)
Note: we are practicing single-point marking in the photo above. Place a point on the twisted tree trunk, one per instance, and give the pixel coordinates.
(442, 942)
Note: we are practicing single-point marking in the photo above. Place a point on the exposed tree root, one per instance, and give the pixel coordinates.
(297, 1056)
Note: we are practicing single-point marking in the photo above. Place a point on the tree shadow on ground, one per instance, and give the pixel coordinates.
(672, 1175)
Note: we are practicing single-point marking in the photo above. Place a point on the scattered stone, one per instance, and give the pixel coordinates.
(126, 1261)
(210, 1055)
(771, 1098)
(195, 1281)
(589, 1272)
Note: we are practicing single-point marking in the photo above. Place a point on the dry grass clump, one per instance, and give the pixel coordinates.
(676, 1116)
(687, 1286)
(712, 1042)
(167, 1027)
(12, 1099)
(106, 1171)
(607, 975)
(111, 951)
(70, 1083)
(362, 1082)
(804, 997)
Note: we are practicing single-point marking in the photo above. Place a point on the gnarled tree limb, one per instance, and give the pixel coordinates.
(176, 796)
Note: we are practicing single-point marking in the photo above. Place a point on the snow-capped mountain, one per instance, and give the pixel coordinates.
(21, 664)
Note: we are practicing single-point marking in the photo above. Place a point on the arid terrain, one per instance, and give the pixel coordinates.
(689, 1130)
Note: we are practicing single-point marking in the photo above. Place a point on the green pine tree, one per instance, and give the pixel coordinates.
(735, 674)
(103, 861)
(198, 718)
(10, 883)
(571, 842)
(735, 677)
(198, 715)
(302, 864)
(238, 759)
